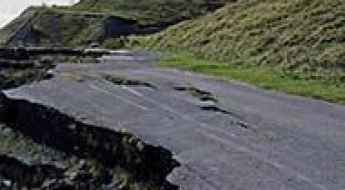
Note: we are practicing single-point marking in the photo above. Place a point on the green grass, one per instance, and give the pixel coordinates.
(264, 77)
(298, 37)
(291, 46)
(84, 23)
(10, 29)
(54, 27)
(150, 11)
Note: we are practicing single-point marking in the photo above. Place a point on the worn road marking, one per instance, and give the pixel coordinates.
(206, 130)
(94, 87)
(131, 90)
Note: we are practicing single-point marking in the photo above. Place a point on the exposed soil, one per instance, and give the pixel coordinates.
(42, 148)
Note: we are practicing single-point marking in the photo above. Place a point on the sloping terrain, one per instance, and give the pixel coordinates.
(152, 11)
(52, 27)
(300, 37)
(10, 29)
(95, 21)
(125, 124)
(42, 148)
(166, 126)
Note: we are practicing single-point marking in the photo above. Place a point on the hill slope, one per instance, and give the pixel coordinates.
(300, 37)
(49, 27)
(152, 11)
(96, 20)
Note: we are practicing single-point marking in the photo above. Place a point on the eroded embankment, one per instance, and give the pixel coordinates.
(111, 159)
(14, 73)
(25, 174)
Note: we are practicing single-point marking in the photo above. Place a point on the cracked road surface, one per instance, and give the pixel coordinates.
(226, 136)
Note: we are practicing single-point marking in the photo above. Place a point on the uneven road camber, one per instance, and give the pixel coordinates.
(129, 125)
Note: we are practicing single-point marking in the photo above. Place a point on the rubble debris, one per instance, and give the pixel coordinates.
(202, 95)
(116, 156)
(17, 173)
(128, 82)
(214, 108)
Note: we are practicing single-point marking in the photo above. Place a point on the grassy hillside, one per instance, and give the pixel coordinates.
(68, 28)
(49, 27)
(152, 11)
(300, 37)
(296, 46)
(94, 20)
(11, 28)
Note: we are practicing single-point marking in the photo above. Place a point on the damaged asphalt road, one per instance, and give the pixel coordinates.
(223, 136)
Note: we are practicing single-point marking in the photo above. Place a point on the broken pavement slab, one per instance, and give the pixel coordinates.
(214, 149)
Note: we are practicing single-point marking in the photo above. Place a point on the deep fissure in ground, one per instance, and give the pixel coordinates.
(43, 148)
(115, 157)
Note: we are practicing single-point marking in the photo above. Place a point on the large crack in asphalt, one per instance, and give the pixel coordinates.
(19, 66)
(122, 81)
(208, 102)
(43, 148)
(144, 166)
(202, 95)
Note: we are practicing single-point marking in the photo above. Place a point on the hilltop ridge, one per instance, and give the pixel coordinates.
(96, 20)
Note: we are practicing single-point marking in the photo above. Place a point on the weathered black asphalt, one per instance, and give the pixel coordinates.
(242, 139)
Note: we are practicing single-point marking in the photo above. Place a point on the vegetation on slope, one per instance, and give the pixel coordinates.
(91, 20)
(151, 11)
(264, 77)
(68, 29)
(10, 29)
(301, 40)
(49, 27)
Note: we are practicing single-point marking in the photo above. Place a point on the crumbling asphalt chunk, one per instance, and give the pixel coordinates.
(15, 78)
(122, 81)
(20, 66)
(111, 159)
(14, 73)
(117, 153)
(208, 102)
(30, 159)
(96, 158)
(30, 176)
(202, 95)
(214, 108)
(3, 107)
(18, 174)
